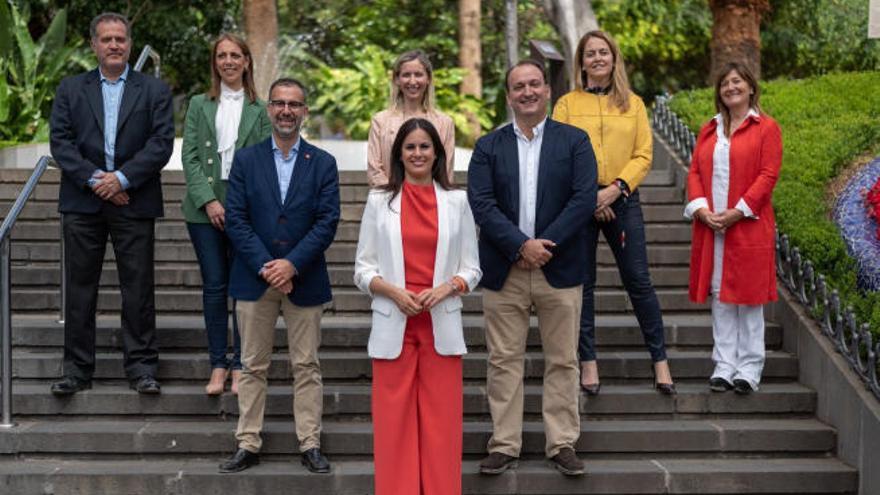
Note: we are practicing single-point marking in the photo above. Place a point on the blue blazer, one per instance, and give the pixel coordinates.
(263, 226)
(144, 141)
(566, 200)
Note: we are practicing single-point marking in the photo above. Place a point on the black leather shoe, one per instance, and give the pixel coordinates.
(591, 389)
(665, 388)
(742, 387)
(315, 461)
(497, 463)
(719, 384)
(240, 460)
(70, 385)
(146, 385)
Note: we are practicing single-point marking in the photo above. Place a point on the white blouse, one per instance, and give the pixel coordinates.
(226, 123)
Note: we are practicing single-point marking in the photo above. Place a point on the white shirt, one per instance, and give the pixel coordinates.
(529, 157)
(227, 121)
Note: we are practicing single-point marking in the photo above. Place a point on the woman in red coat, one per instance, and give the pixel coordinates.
(735, 166)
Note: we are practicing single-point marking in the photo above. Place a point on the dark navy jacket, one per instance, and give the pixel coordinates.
(566, 200)
(262, 226)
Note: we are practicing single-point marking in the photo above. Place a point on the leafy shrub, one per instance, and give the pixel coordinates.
(826, 122)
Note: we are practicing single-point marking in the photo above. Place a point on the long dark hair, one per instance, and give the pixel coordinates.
(438, 169)
(247, 77)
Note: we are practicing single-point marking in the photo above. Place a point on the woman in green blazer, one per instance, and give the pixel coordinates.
(224, 119)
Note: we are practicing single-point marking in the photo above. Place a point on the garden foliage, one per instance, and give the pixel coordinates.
(826, 122)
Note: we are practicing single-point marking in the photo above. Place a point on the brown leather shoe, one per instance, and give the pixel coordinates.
(497, 463)
(567, 462)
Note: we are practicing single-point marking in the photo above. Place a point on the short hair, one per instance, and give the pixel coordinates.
(247, 77)
(289, 82)
(748, 76)
(522, 63)
(108, 17)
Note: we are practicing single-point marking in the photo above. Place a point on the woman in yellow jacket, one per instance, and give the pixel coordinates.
(615, 118)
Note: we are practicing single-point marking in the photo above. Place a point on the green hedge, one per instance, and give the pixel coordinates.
(826, 121)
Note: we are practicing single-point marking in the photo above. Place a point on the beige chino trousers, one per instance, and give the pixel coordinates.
(256, 322)
(507, 326)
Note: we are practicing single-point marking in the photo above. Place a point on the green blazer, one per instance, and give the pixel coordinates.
(201, 161)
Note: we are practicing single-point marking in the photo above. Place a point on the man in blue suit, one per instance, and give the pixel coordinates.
(532, 188)
(282, 208)
(112, 132)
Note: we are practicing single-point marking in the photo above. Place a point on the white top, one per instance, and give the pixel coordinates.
(227, 121)
(529, 158)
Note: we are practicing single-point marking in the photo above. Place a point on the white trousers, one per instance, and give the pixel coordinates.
(738, 331)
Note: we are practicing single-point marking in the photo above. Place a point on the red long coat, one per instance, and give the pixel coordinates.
(749, 272)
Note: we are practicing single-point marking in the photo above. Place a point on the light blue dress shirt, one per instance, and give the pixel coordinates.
(284, 166)
(112, 93)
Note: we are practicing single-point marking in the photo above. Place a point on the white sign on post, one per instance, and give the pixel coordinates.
(874, 19)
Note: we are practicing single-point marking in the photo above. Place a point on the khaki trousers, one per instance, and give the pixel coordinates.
(256, 322)
(507, 325)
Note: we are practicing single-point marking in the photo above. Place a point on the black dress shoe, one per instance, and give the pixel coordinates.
(315, 461)
(665, 388)
(240, 460)
(591, 389)
(70, 385)
(146, 385)
(719, 384)
(742, 387)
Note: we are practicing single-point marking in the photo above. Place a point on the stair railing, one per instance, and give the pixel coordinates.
(856, 342)
(148, 53)
(6, 287)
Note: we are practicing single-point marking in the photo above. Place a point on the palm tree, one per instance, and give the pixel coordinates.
(470, 55)
(261, 28)
(736, 33)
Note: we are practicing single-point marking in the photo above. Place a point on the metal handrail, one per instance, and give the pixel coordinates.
(6, 287)
(853, 340)
(148, 53)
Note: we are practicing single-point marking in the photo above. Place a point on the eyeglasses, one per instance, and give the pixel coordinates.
(281, 104)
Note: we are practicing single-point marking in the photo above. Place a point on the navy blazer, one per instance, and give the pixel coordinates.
(299, 228)
(144, 141)
(566, 200)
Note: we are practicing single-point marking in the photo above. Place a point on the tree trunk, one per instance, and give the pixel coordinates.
(511, 32)
(261, 28)
(470, 57)
(736, 33)
(571, 18)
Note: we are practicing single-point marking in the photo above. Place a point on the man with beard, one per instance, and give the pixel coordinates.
(532, 188)
(282, 208)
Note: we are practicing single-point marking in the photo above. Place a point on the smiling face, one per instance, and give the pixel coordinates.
(287, 111)
(230, 62)
(527, 93)
(418, 157)
(735, 91)
(598, 62)
(111, 46)
(412, 81)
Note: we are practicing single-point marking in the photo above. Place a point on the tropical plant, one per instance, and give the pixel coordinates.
(30, 72)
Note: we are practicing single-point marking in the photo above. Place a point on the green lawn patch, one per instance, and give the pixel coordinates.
(827, 121)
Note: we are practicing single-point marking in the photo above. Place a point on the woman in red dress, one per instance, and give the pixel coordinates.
(735, 166)
(416, 256)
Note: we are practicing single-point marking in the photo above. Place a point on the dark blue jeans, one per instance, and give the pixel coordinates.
(626, 238)
(215, 259)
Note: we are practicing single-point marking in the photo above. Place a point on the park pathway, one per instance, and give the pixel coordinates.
(111, 440)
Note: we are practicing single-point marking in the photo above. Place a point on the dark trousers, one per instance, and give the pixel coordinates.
(626, 238)
(214, 252)
(85, 238)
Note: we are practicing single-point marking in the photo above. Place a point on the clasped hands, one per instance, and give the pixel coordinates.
(604, 199)
(535, 253)
(719, 222)
(108, 188)
(411, 303)
(279, 274)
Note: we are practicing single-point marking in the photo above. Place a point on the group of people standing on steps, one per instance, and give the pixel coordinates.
(262, 207)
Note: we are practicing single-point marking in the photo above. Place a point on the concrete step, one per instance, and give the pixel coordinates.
(214, 436)
(694, 399)
(356, 365)
(345, 300)
(188, 332)
(187, 275)
(677, 231)
(801, 475)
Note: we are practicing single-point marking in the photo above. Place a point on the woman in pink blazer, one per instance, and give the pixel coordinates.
(735, 166)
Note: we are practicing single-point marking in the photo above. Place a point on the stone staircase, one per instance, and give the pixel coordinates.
(111, 440)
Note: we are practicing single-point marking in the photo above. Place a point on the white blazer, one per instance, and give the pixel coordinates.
(380, 254)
